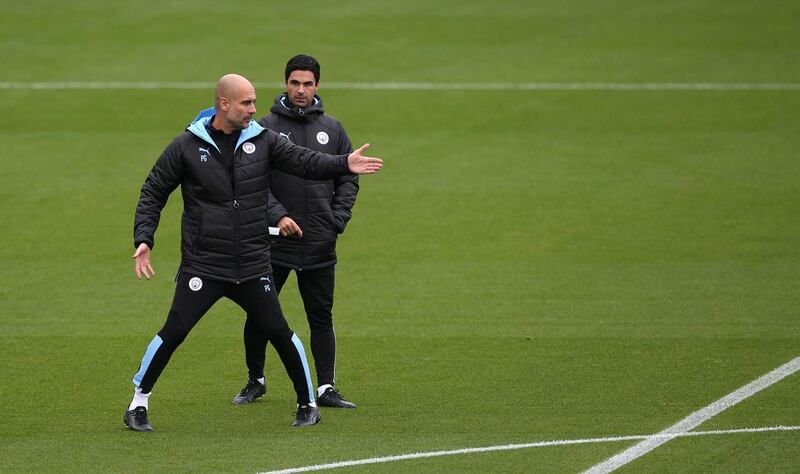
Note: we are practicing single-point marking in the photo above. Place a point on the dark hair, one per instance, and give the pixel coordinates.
(302, 62)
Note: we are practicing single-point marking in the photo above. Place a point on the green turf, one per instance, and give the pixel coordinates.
(528, 266)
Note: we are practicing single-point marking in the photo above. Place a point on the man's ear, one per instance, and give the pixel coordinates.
(224, 104)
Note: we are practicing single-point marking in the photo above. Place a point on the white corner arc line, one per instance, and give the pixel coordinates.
(412, 86)
(508, 447)
(682, 427)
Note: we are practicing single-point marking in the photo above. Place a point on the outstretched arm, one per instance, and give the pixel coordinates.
(299, 161)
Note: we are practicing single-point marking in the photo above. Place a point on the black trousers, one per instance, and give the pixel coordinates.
(195, 296)
(316, 290)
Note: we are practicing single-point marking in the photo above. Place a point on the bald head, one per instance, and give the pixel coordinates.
(234, 100)
(231, 85)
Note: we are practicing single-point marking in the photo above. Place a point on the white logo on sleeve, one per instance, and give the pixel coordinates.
(248, 147)
(322, 138)
(195, 284)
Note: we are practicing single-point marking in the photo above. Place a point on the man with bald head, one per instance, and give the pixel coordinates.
(222, 164)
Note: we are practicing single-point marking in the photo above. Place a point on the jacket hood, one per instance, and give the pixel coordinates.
(283, 106)
(198, 128)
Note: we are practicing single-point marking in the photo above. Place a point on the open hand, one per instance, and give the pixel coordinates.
(360, 164)
(143, 267)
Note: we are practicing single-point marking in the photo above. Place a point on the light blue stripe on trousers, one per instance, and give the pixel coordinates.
(300, 350)
(148, 357)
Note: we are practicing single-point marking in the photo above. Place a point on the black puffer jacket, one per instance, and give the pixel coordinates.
(224, 226)
(321, 208)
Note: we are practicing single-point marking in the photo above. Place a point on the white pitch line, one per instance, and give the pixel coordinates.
(695, 419)
(560, 86)
(104, 85)
(507, 447)
(411, 86)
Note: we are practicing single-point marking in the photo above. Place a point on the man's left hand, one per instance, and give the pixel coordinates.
(360, 164)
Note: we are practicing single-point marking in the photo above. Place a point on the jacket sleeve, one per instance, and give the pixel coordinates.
(275, 210)
(165, 176)
(345, 188)
(302, 162)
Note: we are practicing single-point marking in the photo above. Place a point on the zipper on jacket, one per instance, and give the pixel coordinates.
(235, 205)
(236, 244)
(303, 246)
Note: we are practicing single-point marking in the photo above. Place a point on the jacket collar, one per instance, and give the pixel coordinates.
(198, 128)
(283, 106)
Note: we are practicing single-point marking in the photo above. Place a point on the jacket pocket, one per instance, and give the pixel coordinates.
(338, 223)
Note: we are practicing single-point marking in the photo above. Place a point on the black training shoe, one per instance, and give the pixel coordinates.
(332, 398)
(307, 416)
(136, 419)
(250, 393)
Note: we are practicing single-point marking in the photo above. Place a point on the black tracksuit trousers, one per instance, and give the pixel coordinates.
(316, 289)
(259, 298)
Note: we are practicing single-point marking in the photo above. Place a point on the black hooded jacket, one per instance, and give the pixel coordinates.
(224, 232)
(321, 208)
